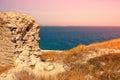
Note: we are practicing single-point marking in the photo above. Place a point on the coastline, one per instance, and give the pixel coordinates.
(52, 51)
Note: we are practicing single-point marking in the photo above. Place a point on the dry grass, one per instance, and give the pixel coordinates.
(75, 50)
(3, 69)
(106, 67)
(24, 75)
(47, 55)
(52, 56)
(111, 44)
(115, 43)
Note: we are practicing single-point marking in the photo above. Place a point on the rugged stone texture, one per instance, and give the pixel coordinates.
(23, 29)
(19, 47)
(6, 48)
(18, 34)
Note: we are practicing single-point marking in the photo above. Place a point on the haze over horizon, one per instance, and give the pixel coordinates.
(67, 12)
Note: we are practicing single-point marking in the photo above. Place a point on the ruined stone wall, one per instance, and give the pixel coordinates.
(19, 33)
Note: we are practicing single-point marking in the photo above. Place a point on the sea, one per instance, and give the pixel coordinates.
(64, 38)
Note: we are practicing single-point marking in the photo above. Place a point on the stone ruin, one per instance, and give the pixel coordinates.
(19, 34)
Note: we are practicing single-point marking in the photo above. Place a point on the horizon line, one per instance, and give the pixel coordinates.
(73, 26)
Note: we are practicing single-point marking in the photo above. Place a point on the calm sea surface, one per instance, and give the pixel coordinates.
(62, 38)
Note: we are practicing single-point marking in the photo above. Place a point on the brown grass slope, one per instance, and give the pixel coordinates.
(110, 44)
(114, 43)
(106, 67)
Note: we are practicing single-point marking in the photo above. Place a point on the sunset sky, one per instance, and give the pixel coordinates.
(68, 12)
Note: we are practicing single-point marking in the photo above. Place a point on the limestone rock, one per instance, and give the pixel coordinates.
(25, 53)
(49, 67)
(37, 53)
(6, 47)
(18, 35)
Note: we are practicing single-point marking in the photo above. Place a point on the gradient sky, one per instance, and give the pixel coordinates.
(68, 12)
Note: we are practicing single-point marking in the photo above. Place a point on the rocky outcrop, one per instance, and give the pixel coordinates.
(18, 35)
(23, 29)
(6, 48)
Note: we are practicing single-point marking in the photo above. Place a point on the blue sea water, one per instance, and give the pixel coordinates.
(63, 38)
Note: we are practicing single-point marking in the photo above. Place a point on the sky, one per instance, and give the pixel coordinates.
(67, 12)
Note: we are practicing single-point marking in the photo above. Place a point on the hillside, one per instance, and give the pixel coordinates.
(17, 35)
(115, 43)
(97, 61)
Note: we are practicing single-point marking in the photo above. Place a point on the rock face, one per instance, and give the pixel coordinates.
(18, 34)
(6, 48)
